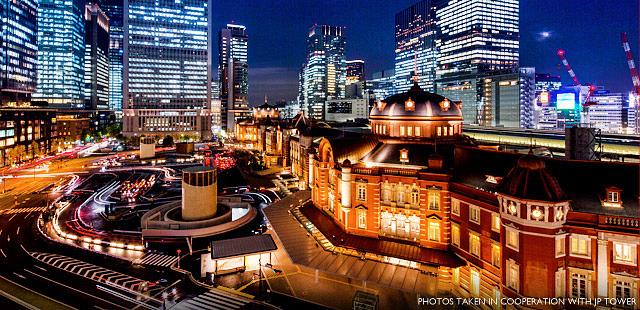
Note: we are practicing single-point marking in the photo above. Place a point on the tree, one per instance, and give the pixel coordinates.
(167, 141)
(21, 151)
(35, 149)
(10, 156)
(114, 130)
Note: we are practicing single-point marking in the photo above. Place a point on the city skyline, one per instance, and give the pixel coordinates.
(275, 67)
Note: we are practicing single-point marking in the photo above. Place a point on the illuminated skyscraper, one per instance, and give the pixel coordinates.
(234, 74)
(18, 48)
(355, 71)
(325, 71)
(415, 46)
(96, 58)
(113, 9)
(475, 38)
(61, 53)
(167, 68)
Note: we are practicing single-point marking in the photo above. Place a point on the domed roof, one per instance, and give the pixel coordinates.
(530, 179)
(416, 103)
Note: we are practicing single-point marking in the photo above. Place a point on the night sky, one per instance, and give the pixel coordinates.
(589, 30)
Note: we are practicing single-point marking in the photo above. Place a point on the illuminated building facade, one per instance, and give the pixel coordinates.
(492, 27)
(18, 49)
(61, 54)
(167, 69)
(324, 74)
(495, 224)
(113, 9)
(233, 68)
(507, 99)
(610, 113)
(355, 82)
(96, 58)
(416, 53)
(545, 113)
(381, 85)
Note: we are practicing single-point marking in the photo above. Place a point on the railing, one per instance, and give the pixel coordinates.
(622, 221)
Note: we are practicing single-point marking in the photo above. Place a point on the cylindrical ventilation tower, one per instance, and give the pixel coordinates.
(147, 147)
(199, 193)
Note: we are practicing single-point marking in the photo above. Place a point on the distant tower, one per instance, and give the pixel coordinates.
(96, 58)
(113, 9)
(61, 53)
(415, 46)
(325, 70)
(233, 69)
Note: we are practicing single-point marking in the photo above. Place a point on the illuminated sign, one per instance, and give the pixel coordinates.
(566, 101)
(544, 98)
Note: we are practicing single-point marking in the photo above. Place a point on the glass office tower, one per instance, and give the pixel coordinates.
(325, 71)
(476, 38)
(113, 9)
(415, 46)
(96, 58)
(167, 68)
(18, 49)
(233, 69)
(61, 53)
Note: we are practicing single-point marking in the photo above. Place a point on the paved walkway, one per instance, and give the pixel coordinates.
(339, 276)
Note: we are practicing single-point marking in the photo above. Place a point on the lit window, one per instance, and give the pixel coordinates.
(495, 222)
(560, 246)
(417, 131)
(386, 192)
(624, 253)
(613, 196)
(513, 238)
(404, 156)
(580, 245)
(579, 285)
(362, 192)
(474, 214)
(455, 206)
(513, 275)
(415, 196)
(434, 231)
(455, 235)
(362, 219)
(623, 290)
(401, 130)
(409, 131)
(495, 255)
(439, 131)
(474, 244)
(475, 282)
(434, 199)
(400, 194)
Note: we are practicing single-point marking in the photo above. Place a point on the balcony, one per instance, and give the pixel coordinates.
(621, 221)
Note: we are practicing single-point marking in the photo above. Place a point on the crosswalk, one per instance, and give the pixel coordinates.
(212, 300)
(89, 271)
(156, 260)
(23, 210)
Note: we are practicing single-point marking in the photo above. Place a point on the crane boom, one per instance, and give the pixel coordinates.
(635, 77)
(561, 53)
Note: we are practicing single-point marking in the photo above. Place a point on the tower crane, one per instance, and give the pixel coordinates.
(635, 77)
(562, 55)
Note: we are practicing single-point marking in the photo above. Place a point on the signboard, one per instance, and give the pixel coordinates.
(544, 98)
(566, 101)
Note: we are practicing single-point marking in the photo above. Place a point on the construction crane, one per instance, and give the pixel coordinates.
(562, 55)
(635, 77)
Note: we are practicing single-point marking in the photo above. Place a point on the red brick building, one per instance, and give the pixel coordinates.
(523, 225)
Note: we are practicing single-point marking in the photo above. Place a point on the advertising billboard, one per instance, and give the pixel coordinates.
(566, 101)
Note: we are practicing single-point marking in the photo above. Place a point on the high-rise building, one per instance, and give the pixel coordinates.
(233, 68)
(609, 112)
(61, 53)
(167, 68)
(508, 99)
(355, 71)
(113, 9)
(382, 84)
(18, 49)
(325, 71)
(545, 113)
(475, 38)
(96, 58)
(416, 54)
